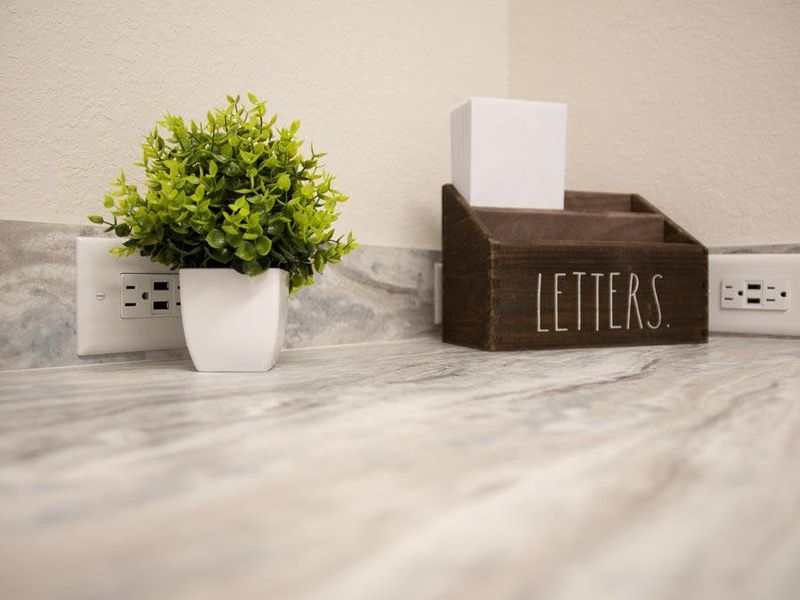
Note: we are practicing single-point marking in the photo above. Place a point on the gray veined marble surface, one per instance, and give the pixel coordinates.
(375, 294)
(761, 249)
(409, 469)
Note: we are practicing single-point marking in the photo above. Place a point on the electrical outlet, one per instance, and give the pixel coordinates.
(124, 304)
(144, 295)
(752, 293)
(769, 293)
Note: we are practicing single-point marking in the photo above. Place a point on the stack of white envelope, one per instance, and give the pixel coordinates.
(509, 153)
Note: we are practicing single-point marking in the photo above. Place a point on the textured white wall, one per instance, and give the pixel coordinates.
(372, 81)
(696, 105)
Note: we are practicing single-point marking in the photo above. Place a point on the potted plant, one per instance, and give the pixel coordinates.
(245, 217)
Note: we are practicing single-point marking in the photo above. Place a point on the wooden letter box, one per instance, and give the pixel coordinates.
(608, 270)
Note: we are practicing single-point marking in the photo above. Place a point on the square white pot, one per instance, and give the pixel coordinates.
(234, 322)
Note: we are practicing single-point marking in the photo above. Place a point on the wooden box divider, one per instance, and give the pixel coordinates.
(610, 269)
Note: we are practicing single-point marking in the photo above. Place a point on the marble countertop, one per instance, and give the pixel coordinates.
(409, 470)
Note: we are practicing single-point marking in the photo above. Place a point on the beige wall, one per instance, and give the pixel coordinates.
(696, 105)
(372, 81)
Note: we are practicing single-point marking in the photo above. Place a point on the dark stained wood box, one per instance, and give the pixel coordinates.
(608, 270)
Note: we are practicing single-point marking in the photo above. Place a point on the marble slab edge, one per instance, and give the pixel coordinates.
(377, 293)
(760, 249)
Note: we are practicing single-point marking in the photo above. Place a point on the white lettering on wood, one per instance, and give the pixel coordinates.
(658, 305)
(633, 301)
(579, 274)
(597, 277)
(539, 306)
(556, 294)
(611, 292)
(634, 306)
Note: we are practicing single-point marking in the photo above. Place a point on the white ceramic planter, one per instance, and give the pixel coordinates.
(233, 322)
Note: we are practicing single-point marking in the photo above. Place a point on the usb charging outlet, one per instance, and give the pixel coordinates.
(115, 298)
(149, 295)
(752, 293)
(769, 293)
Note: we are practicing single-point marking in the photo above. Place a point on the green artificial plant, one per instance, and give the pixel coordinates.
(231, 192)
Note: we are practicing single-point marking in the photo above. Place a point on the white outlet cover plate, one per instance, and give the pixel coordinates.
(754, 267)
(100, 329)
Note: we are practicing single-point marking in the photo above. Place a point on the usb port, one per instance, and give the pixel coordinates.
(753, 286)
(754, 300)
(161, 305)
(160, 285)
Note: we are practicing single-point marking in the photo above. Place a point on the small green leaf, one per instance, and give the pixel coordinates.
(233, 239)
(96, 219)
(319, 262)
(212, 168)
(122, 230)
(215, 238)
(263, 246)
(284, 183)
(246, 251)
(223, 255)
(252, 268)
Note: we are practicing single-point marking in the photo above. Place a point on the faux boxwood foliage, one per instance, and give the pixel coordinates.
(231, 192)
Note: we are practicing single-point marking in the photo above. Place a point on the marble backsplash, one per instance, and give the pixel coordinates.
(377, 293)
(765, 249)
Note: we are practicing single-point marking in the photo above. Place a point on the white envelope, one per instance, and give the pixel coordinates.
(509, 153)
